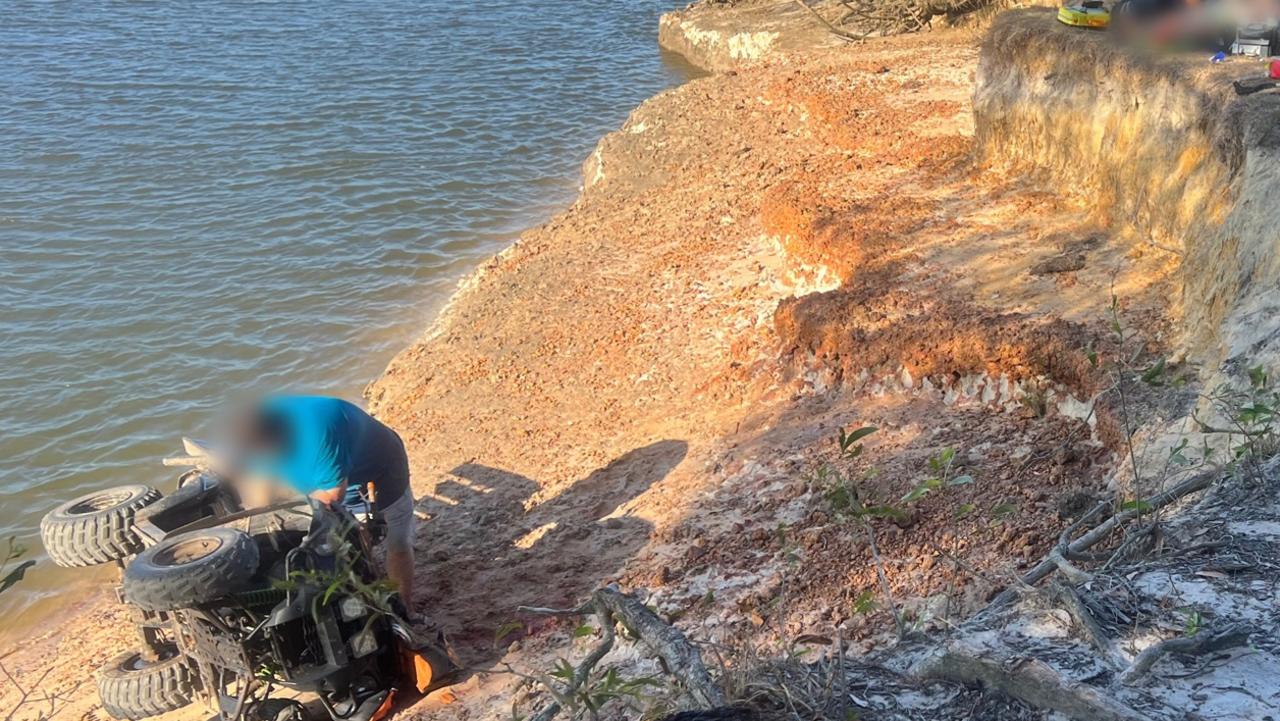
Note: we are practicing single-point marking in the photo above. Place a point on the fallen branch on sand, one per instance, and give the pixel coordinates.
(610, 606)
(1031, 680)
(1036, 682)
(1204, 642)
(889, 17)
(1069, 600)
(27, 697)
(1068, 550)
(831, 27)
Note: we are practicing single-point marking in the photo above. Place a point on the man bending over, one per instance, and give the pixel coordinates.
(331, 450)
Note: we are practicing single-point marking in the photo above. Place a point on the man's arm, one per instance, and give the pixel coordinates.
(331, 496)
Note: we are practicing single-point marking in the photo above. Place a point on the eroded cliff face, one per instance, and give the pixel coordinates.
(1164, 149)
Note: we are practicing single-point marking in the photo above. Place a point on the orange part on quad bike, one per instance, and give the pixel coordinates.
(385, 708)
(416, 669)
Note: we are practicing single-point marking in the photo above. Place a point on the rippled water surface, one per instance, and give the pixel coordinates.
(203, 198)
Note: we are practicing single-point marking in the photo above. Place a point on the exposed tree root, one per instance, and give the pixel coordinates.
(610, 606)
(1204, 642)
(1066, 597)
(1068, 550)
(1028, 680)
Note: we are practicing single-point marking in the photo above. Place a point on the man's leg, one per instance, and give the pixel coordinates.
(400, 526)
(400, 571)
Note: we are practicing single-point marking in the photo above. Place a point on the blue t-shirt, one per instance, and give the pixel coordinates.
(328, 441)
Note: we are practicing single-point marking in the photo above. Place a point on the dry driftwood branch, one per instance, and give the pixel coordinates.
(831, 27)
(1138, 544)
(1032, 681)
(1073, 574)
(681, 657)
(890, 17)
(26, 695)
(1067, 598)
(1076, 549)
(1204, 642)
(611, 606)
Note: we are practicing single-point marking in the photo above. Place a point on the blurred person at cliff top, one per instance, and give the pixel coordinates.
(334, 452)
(1188, 24)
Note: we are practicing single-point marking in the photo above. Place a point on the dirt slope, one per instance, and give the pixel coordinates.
(640, 390)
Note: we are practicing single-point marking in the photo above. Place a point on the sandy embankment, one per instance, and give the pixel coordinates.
(639, 390)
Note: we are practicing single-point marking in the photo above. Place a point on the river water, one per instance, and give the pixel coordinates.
(205, 198)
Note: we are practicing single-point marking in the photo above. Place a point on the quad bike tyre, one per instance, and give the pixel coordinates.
(191, 569)
(96, 527)
(131, 687)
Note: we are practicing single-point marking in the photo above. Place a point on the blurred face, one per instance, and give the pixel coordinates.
(249, 440)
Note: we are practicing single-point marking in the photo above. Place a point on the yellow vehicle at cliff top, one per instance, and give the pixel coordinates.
(1092, 14)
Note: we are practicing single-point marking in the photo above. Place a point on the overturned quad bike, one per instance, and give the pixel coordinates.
(236, 606)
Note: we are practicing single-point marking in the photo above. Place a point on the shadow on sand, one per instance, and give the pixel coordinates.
(481, 553)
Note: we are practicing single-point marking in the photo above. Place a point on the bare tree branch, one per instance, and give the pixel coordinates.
(611, 607)
(1204, 642)
(838, 32)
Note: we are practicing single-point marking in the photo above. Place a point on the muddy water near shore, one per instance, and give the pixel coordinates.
(215, 198)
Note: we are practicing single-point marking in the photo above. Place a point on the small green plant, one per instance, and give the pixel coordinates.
(610, 686)
(10, 574)
(506, 630)
(584, 691)
(943, 476)
(1135, 504)
(1035, 400)
(1194, 623)
(865, 603)
(343, 580)
(1155, 375)
(850, 504)
(1248, 420)
(847, 503)
(1002, 512)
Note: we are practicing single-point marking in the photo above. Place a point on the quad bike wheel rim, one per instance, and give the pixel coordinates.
(139, 662)
(99, 503)
(189, 551)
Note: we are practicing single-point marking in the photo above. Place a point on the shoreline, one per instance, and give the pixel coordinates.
(63, 596)
(365, 194)
(77, 615)
(617, 396)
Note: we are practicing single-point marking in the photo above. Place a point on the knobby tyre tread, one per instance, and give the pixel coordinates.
(154, 582)
(96, 527)
(132, 689)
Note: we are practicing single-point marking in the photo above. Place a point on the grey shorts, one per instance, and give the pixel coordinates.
(400, 522)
